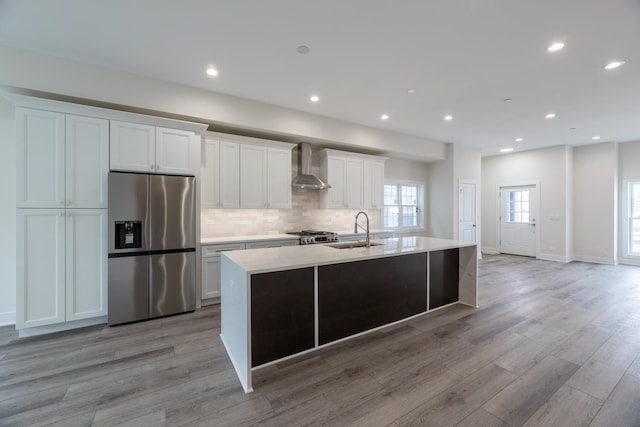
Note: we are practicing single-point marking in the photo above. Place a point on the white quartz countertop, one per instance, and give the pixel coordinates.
(252, 238)
(289, 257)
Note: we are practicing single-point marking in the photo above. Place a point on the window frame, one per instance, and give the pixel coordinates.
(627, 232)
(420, 204)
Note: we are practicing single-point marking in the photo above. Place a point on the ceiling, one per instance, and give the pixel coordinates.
(462, 57)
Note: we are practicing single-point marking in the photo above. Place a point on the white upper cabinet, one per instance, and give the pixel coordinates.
(357, 180)
(354, 184)
(279, 178)
(87, 158)
(373, 184)
(133, 147)
(174, 151)
(62, 160)
(142, 148)
(253, 177)
(229, 175)
(41, 157)
(265, 176)
(220, 174)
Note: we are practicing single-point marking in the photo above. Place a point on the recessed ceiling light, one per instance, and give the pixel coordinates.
(506, 150)
(556, 46)
(314, 98)
(384, 117)
(212, 71)
(448, 117)
(519, 139)
(550, 116)
(613, 65)
(595, 138)
(411, 91)
(303, 50)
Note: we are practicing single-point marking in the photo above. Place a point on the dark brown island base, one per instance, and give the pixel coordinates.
(282, 302)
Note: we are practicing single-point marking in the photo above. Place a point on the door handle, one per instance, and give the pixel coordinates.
(473, 225)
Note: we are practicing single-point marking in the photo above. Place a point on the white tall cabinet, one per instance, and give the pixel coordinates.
(63, 162)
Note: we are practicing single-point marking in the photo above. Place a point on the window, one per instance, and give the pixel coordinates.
(518, 206)
(403, 205)
(633, 237)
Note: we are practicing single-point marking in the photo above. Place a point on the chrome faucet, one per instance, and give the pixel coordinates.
(355, 229)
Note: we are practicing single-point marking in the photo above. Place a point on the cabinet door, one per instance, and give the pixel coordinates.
(373, 185)
(87, 162)
(40, 267)
(86, 263)
(353, 186)
(229, 175)
(132, 147)
(174, 152)
(253, 177)
(337, 172)
(279, 178)
(209, 172)
(40, 156)
(210, 284)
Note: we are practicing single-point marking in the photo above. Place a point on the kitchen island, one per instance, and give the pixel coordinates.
(278, 303)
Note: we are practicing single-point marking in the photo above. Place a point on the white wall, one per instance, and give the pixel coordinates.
(22, 69)
(548, 167)
(628, 168)
(467, 166)
(595, 203)
(7, 214)
(441, 197)
(462, 163)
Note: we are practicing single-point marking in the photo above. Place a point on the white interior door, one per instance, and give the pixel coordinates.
(467, 212)
(518, 220)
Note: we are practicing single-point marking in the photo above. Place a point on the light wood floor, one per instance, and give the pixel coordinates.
(552, 344)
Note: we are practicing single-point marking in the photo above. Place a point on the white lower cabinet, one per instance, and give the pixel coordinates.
(210, 283)
(62, 265)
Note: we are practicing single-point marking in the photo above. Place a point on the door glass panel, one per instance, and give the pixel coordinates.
(518, 206)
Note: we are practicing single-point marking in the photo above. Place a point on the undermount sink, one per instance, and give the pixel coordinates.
(351, 245)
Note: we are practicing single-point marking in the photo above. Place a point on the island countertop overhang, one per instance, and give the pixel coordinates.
(265, 260)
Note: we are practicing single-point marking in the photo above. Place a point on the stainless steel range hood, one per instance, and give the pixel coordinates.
(305, 180)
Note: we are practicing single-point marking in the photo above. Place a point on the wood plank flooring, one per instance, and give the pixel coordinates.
(552, 345)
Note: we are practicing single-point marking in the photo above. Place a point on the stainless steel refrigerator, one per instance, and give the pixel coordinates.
(151, 246)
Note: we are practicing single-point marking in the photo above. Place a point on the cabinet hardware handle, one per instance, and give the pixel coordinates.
(151, 167)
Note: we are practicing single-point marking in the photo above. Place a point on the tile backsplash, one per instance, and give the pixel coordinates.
(305, 214)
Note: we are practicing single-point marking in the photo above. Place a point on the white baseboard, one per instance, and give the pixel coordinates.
(595, 259)
(489, 251)
(8, 318)
(554, 257)
(58, 327)
(629, 261)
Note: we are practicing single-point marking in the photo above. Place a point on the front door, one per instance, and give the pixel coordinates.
(517, 220)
